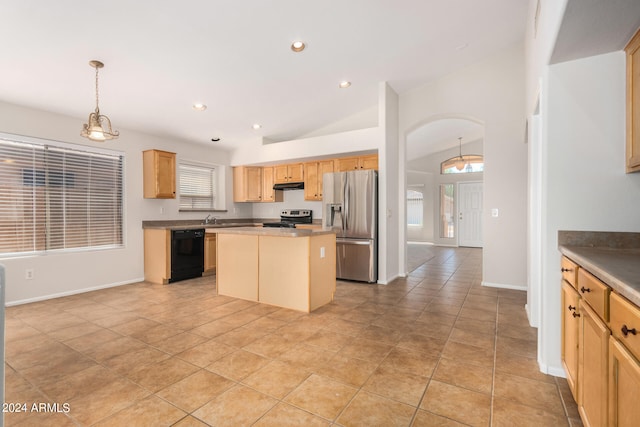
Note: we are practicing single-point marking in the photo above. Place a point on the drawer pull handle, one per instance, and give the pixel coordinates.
(574, 314)
(583, 290)
(626, 331)
(572, 308)
(564, 270)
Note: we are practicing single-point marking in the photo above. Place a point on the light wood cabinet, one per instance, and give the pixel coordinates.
(210, 253)
(313, 172)
(608, 376)
(247, 184)
(344, 164)
(633, 104)
(624, 383)
(293, 172)
(593, 367)
(157, 255)
(570, 334)
(268, 179)
(308, 281)
(159, 174)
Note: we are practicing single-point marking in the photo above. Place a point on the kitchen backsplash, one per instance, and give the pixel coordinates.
(293, 199)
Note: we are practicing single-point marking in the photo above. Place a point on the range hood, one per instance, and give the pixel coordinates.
(289, 186)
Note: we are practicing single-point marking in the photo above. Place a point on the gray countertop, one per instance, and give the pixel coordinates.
(612, 257)
(275, 232)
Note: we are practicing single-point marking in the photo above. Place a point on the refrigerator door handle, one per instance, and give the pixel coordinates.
(354, 242)
(345, 204)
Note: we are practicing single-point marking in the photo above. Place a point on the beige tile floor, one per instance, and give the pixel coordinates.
(433, 349)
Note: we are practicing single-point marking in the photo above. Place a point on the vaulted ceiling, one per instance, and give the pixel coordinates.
(163, 56)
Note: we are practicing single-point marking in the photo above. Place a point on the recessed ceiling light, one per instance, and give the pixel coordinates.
(345, 84)
(199, 107)
(298, 46)
(257, 126)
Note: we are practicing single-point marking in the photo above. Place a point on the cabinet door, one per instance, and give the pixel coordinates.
(209, 252)
(268, 193)
(254, 183)
(593, 367)
(570, 328)
(296, 172)
(159, 174)
(633, 104)
(281, 174)
(311, 181)
(369, 162)
(247, 184)
(345, 164)
(624, 386)
(325, 166)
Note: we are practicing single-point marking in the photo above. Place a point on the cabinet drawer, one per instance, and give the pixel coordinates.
(595, 293)
(625, 323)
(569, 271)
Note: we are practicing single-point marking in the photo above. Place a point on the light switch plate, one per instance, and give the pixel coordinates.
(495, 213)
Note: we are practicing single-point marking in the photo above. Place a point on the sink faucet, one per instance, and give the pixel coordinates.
(210, 219)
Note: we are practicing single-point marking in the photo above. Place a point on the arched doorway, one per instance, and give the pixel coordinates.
(435, 212)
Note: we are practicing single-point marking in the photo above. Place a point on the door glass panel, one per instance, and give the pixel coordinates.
(447, 223)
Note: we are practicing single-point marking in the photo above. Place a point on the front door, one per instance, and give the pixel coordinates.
(470, 214)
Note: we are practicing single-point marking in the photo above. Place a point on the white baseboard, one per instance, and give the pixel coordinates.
(552, 370)
(387, 281)
(504, 286)
(73, 292)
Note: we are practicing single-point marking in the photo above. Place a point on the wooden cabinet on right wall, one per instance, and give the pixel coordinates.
(633, 104)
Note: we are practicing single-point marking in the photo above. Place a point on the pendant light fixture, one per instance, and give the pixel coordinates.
(98, 127)
(460, 163)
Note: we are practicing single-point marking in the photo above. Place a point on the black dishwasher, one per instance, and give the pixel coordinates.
(187, 254)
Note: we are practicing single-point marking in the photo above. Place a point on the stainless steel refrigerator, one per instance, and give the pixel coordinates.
(350, 208)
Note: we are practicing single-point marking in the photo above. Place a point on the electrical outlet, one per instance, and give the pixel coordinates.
(322, 252)
(161, 211)
(495, 213)
(28, 273)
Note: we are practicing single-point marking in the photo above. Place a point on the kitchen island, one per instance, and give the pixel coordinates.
(291, 268)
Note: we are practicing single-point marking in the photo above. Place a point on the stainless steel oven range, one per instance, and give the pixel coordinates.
(290, 217)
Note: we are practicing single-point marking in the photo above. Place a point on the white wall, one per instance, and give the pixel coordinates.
(59, 274)
(490, 92)
(585, 187)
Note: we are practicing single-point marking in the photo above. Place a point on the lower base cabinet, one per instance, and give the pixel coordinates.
(606, 384)
(593, 383)
(209, 253)
(570, 334)
(624, 383)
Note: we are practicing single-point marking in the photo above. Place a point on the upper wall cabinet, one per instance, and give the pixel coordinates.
(289, 173)
(313, 172)
(268, 193)
(633, 104)
(247, 184)
(361, 162)
(159, 174)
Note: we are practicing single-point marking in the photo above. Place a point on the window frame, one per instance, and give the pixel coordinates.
(448, 167)
(57, 161)
(218, 194)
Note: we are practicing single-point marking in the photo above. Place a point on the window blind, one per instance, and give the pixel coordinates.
(57, 197)
(414, 208)
(197, 186)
